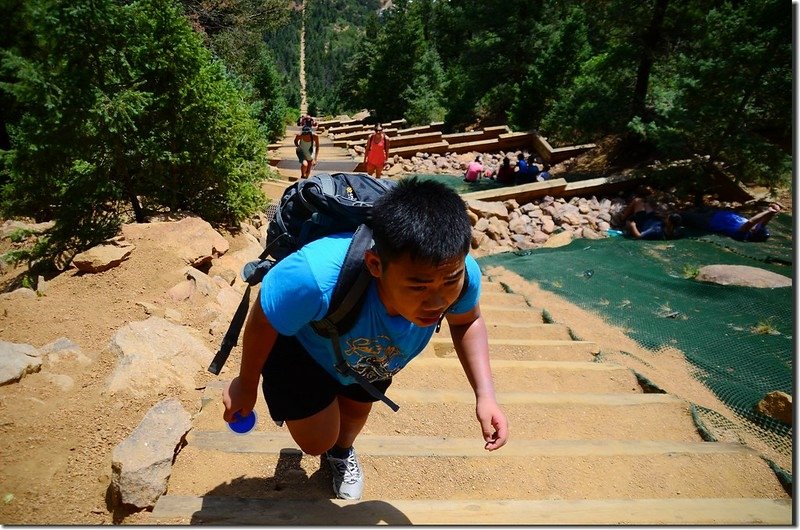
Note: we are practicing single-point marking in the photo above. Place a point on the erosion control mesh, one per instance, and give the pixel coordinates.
(738, 338)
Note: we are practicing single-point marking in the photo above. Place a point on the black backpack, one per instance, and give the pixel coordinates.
(311, 209)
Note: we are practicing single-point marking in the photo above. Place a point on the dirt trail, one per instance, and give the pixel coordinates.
(58, 440)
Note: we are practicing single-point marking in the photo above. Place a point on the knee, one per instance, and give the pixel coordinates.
(317, 445)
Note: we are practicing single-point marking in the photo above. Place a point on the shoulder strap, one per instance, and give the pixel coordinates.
(346, 302)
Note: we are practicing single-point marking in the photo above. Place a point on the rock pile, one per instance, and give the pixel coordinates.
(507, 226)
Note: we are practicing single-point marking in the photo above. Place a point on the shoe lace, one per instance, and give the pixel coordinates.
(348, 468)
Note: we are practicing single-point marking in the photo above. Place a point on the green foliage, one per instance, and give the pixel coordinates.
(424, 98)
(334, 31)
(121, 104)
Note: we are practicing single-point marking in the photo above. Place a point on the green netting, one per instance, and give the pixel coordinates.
(738, 338)
(457, 182)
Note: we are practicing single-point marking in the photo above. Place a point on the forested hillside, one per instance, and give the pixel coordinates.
(708, 81)
(116, 108)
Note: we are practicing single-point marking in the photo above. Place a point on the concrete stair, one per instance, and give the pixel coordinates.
(575, 424)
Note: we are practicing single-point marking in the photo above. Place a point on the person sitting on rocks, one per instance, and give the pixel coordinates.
(643, 222)
(505, 173)
(544, 174)
(727, 222)
(474, 170)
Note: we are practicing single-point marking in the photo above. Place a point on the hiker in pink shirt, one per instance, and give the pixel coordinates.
(474, 170)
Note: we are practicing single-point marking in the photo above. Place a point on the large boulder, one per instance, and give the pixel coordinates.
(103, 257)
(142, 463)
(192, 238)
(742, 275)
(155, 354)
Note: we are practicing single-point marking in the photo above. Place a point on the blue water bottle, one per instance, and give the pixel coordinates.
(614, 233)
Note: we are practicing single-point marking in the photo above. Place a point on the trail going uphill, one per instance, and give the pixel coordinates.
(588, 446)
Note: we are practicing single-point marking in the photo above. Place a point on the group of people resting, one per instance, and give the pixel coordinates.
(523, 173)
(643, 221)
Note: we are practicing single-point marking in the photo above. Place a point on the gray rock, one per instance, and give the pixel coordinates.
(103, 257)
(488, 209)
(18, 360)
(22, 292)
(192, 238)
(142, 463)
(155, 354)
(63, 350)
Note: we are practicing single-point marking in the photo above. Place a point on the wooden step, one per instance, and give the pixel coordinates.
(289, 474)
(226, 510)
(498, 330)
(505, 315)
(517, 376)
(492, 287)
(443, 447)
(565, 416)
(522, 349)
(213, 510)
(510, 300)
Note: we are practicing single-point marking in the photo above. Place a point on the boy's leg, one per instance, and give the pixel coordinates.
(352, 418)
(318, 433)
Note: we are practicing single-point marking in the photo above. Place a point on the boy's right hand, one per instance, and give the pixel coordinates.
(238, 396)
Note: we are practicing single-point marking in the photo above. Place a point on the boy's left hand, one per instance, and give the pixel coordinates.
(493, 423)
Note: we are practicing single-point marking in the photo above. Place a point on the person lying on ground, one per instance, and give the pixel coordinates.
(642, 221)
(727, 222)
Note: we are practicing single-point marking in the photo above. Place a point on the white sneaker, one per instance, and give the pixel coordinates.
(348, 479)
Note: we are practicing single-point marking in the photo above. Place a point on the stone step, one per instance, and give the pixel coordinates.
(516, 376)
(500, 330)
(522, 349)
(172, 509)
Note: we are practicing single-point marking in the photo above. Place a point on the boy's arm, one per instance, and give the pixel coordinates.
(634, 231)
(472, 346)
(257, 341)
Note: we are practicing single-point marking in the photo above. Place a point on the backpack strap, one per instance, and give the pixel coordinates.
(346, 302)
(232, 335)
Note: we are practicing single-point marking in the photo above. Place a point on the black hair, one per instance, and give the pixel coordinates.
(421, 218)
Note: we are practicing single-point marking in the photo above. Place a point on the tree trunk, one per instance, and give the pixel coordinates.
(649, 43)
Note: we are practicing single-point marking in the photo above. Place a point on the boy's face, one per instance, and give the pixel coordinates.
(419, 292)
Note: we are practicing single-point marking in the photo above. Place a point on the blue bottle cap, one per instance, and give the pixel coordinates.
(242, 425)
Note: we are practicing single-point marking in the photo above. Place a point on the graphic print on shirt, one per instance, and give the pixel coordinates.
(375, 358)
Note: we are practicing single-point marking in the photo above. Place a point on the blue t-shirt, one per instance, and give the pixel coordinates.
(728, 223)
(298, 290)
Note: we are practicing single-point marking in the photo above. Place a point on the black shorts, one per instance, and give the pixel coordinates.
(295, 386)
